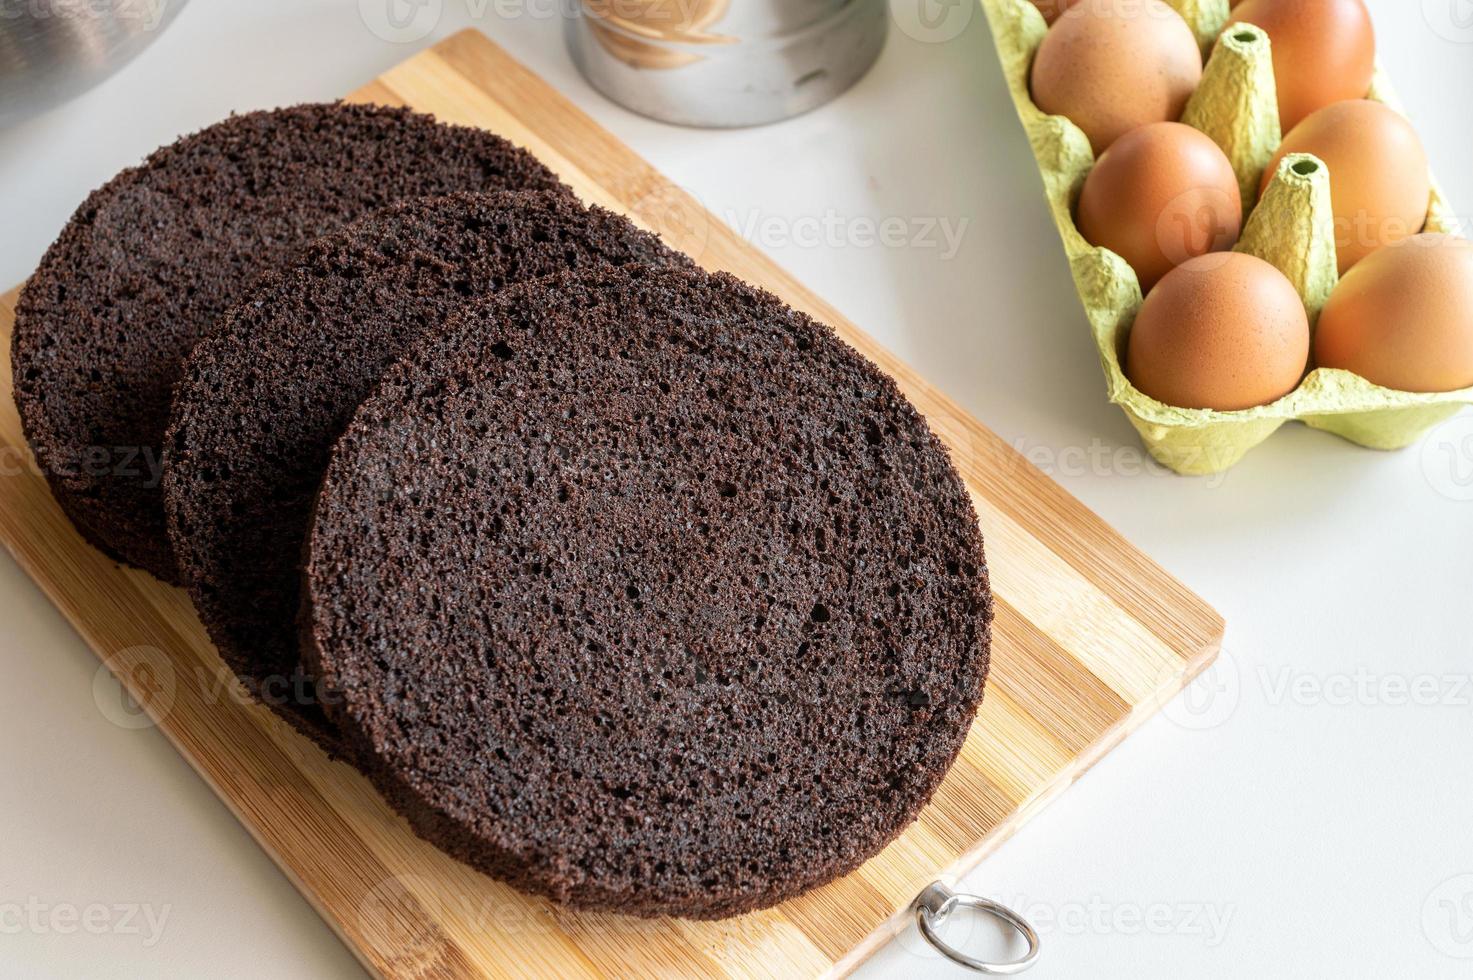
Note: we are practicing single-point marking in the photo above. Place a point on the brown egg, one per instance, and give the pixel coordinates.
(1112, 65)
(1160, 195)
(1051, 9)
(1224, 331)
(1324, 51)
(1403, 317)
(1379, 182)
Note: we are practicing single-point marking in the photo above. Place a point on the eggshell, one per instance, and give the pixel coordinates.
(1160, 195)
(1403, 317)
(1380, 186)
(1324, 51)
(1112, 65)
(1224, 331)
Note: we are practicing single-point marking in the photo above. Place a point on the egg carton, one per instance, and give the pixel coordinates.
(1291, 227)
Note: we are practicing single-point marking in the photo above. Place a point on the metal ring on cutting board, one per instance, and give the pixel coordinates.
(938, 901)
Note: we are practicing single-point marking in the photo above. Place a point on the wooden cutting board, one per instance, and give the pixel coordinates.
(1091, 638)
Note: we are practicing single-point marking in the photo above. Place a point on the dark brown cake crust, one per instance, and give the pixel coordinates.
(259, 404)
(644, 592)
(150, 260)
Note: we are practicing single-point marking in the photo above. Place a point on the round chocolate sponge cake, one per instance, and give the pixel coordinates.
(149, 261)
(642, 591)
(260, 403)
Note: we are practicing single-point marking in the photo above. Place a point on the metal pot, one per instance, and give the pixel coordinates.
(52, 50)
(725, 62)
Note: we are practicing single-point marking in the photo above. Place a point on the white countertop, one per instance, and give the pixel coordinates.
(1307, 814)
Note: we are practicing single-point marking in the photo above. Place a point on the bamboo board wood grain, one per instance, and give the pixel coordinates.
(1091, 638)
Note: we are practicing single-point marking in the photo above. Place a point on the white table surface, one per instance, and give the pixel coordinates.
(1306, 814)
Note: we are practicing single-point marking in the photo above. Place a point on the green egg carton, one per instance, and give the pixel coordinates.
(1292, 227)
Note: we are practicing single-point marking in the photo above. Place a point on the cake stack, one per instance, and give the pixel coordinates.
(622, 581)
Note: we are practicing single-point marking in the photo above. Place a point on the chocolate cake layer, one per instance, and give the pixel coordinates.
(642, 591)
(150, 261)
(259, 404)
